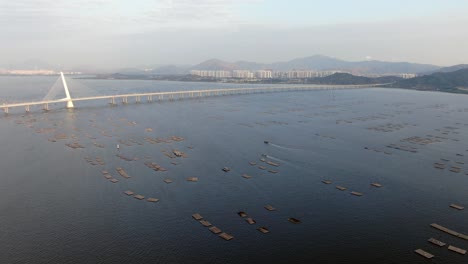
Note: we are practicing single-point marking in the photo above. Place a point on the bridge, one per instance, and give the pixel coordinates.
(172, 95)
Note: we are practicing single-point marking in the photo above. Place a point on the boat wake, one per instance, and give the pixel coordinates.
(286, 147)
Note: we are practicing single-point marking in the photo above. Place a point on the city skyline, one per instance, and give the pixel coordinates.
(104, 34)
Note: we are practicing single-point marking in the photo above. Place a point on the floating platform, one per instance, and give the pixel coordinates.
(167, 181)
(250, 221)
(215, 230)
(226, 236)
(269, 207)
(205, 223)
(197, 216)
(263, 229)
(436, 242)
(456, 206)
(341, 188)
(327, 181)
(246, 176)
(242, 214)
(129, 193)
(122, 173)
(152, 200)
(449, 231)
(272, 163)
(424, 253)
(356, 193)
(458, 250)
(378, 185)
(294, 220)
(139, 197)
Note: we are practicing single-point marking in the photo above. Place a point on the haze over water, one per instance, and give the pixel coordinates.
(58, 208)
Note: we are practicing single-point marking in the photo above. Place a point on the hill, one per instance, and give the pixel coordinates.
(455, 82)
(349, 79)
(447, 69)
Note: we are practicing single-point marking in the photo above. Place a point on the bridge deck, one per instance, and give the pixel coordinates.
(207, 92)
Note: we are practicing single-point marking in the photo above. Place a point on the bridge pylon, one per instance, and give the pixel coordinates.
(67, 93)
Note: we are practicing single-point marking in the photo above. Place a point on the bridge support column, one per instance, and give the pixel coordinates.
(112, 101)
(67, 93)
(27, 109)
(45, 107)
(149, 98)
(137, 99)
(6, 110)
(124, 100)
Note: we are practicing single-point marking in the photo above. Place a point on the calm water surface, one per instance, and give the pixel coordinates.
(58, 208)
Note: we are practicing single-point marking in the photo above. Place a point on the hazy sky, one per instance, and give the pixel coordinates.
(121, 33)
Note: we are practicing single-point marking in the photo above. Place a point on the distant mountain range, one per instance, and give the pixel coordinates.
(321, 63)
(453, 81)
(317, 63)
(447, 69)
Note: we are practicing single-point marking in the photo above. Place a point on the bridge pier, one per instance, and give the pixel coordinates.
(137, 99)
(149, 98)
(27, 108)
(45, 107)
(124, 100)
(112, 101)
(6, 109)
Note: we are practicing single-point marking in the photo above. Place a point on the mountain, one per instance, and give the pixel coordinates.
(456, 81)
(317, 62)
(349, 79)
(216, 65)
(321, 63)
(447, 69)
(170, 69)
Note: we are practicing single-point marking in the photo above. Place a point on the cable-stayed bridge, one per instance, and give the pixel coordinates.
(169, 95)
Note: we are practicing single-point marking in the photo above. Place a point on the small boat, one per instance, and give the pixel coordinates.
(118, 146)
(226, 169)
(266, 142)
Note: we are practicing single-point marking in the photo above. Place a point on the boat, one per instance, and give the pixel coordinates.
(226, 169)
(266, 142)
